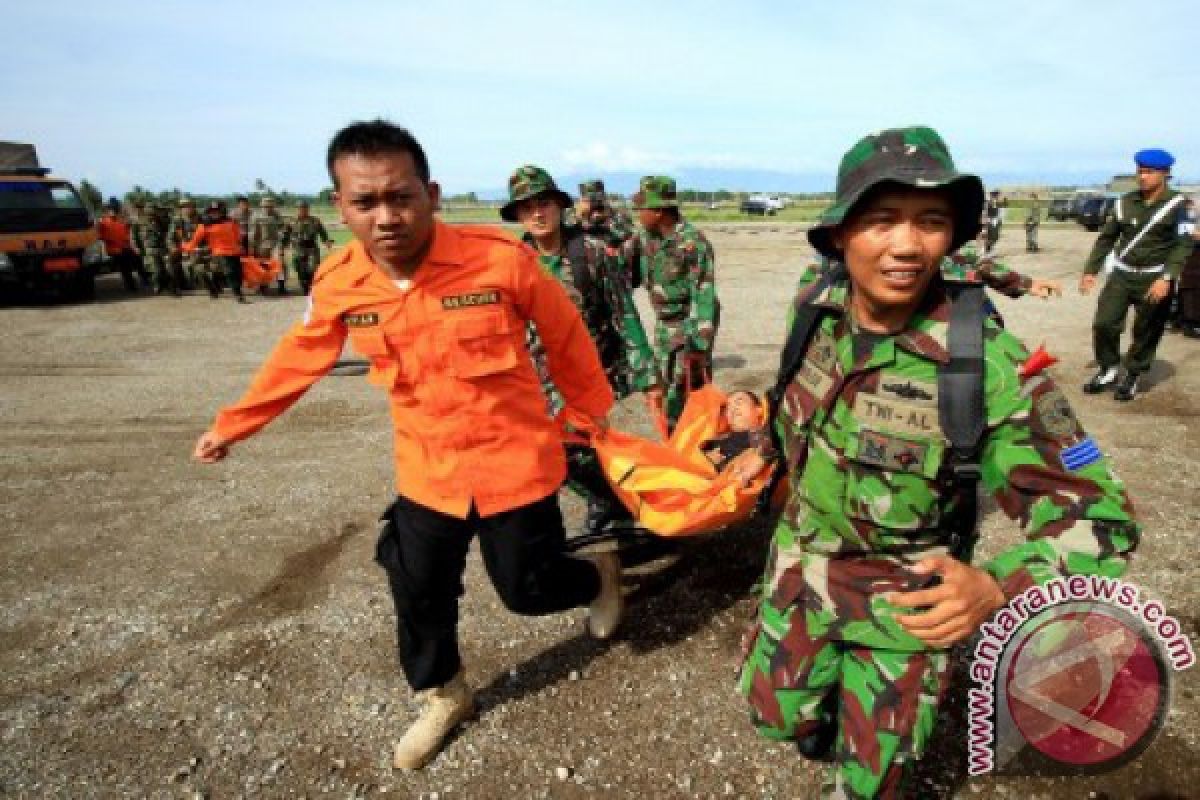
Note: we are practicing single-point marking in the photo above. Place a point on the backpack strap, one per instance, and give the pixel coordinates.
(961, 413)
(804, 324)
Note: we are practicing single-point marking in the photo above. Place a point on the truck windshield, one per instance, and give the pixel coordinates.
(30, 206)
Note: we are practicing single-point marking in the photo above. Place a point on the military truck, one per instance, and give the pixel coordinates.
(48, 238)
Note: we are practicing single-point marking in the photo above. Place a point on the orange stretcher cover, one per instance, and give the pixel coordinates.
(259, 271)
(671, 487)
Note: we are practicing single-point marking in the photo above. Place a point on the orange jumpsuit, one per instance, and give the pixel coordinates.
(469, 420)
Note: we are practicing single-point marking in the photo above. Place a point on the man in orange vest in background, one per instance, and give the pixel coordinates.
(224, 238)
(118, 244)
(441, 312)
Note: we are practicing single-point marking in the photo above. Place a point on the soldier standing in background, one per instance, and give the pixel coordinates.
(599, 217)
(266, 239)
(994, 216)
(183, 226)
(302, 235)
(1141, 241)
(1032, 220)
(151, 238)
(676, 263)
(243, 215)
(591, 272)
(1189, 281)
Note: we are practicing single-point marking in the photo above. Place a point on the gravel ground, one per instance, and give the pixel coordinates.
(173, 630)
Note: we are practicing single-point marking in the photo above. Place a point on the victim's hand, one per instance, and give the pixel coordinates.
(955, 608)
(1087, 283)
(210, 448)
(1158, 290)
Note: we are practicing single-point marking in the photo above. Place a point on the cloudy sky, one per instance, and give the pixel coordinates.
(210, 96)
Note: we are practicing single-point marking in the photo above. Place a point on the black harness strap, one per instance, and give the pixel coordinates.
(961, 412)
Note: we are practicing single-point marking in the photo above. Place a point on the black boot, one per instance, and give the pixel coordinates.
(817, 745)
(1128, 388)
(1105, 378)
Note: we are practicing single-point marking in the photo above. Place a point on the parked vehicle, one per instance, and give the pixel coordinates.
(1059, 209)
(48, 235)
(1094, 210)
(762, 205)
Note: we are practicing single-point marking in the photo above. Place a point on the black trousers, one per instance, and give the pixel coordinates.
(424, 553)
(233, 272)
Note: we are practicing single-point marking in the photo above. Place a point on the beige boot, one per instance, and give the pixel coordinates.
(445, 707)
(604, 614)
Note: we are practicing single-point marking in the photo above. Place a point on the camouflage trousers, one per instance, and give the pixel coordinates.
(168, 274)
(682, 371)
(304, 264)
(884, 702)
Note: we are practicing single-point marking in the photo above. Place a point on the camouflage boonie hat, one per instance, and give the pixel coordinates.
(655, 191)
(267, 202)
(591, 187)
(914, 157)
(530, 181)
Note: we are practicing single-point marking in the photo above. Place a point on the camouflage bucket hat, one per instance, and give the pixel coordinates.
(591, 187)
(655, 191)
(915, 157)
(530, 181)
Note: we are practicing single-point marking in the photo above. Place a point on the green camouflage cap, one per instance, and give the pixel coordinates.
(530, 181)
(591, 187)
(655, 191)
(915, 157)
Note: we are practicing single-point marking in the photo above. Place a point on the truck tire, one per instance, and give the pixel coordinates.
(81, 287)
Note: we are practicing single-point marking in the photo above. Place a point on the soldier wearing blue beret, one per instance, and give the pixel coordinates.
(1142, 252)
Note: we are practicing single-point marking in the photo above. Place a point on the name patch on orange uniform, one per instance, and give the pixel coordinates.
(360, 320)
(471, 299)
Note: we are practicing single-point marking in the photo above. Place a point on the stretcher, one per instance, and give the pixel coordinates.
(670, 486)
(258, 272)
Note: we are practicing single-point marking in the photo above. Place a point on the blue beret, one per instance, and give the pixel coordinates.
(1154, 158)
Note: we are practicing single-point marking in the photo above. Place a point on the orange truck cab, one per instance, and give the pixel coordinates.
(48, 237)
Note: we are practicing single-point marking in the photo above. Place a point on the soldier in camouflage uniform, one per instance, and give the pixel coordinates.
(194, 267)
(266, 239)
(1033, 220)
(243, 215)
(599, 290)
(676, 263)
(302, 235)
(967, 265)
(136, 219)
(862, 594)
(150, 235)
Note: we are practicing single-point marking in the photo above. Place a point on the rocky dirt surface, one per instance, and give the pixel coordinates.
(174, 630)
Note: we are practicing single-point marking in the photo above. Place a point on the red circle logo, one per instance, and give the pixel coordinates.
(1086, 688)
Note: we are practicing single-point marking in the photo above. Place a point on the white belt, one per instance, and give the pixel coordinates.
(1140, 270)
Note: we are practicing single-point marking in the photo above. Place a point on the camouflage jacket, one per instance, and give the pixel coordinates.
(303, 233)
(613, 225)
(266, 234)
(182, 229)
(861, 435)
(245, 223)
(966, 265)
(149, 232)
(611, 317)
(678, 272)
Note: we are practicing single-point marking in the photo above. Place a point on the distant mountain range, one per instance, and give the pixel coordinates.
(770, 182)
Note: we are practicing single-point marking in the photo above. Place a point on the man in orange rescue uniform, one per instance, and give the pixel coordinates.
(224, 237)
(441, 312)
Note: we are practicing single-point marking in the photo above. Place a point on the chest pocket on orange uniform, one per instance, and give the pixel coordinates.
(369, 341)
(483, 345)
